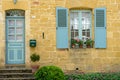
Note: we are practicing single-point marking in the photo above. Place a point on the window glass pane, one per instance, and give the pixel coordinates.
(86, 23)
(86, 14)
(88, 20)
(87, 26)
(88, 34)
(76, 34)
(83, 20)
(88, 30)
(72, 35)
(83, 26)
(75, 26)
(74, 20)
(83, 33)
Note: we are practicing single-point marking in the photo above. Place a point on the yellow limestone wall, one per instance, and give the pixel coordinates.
(40, 17)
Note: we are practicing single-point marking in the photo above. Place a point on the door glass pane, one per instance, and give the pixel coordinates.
(19, 37)
(11, 37)
(19, 30)
(11, 30)
(19, 23)
(11, 22)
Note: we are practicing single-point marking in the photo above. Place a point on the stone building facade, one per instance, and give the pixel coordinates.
(39, 22)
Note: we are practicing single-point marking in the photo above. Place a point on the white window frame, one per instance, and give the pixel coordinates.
(80, 23)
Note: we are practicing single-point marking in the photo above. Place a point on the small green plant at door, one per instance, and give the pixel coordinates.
(34, 58)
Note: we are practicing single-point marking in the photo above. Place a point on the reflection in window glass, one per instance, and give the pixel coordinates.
(80, 24)
(74, 23)
(86, 23)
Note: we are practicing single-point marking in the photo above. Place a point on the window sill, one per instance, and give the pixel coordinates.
(81, 47)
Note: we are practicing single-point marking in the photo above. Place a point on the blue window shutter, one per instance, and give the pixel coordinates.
(100, 28)
(61, 28)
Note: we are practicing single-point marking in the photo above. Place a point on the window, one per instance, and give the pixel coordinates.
(80, 25)
(80, 28)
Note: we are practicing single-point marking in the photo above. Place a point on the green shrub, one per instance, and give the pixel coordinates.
(49, 73)
(94, 76)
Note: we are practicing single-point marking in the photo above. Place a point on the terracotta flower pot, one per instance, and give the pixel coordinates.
(88, 46)
(81, 46)
(73, 46)
(34, 68)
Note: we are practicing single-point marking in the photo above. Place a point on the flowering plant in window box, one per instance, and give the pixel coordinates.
(89, 43)
(73, 42)
(76, 43)
(80, 43)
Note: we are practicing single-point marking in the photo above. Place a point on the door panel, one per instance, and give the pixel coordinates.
(15, 40)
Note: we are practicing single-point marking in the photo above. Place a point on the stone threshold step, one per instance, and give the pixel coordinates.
(17, 78)
(16, 73)
(15, 66)
(15, 69)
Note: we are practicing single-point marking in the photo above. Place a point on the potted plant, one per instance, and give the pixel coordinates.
(73, 42)
(80, 43)
(34, 58)
(89, 43)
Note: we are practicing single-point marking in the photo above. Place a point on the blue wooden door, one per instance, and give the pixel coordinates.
(100, 28)
(15, 40)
